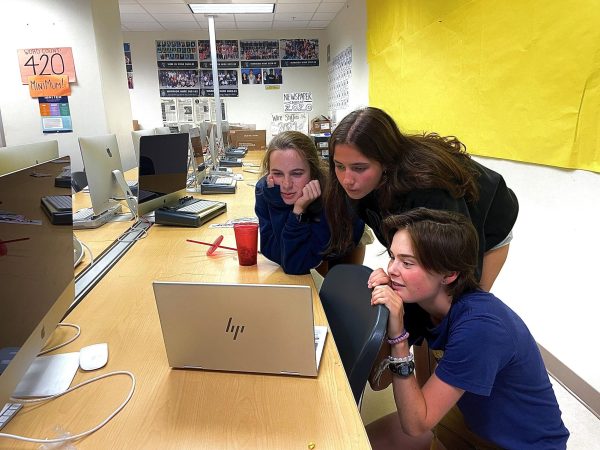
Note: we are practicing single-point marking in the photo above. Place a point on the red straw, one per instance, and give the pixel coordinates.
(212, 246)
(13, 240)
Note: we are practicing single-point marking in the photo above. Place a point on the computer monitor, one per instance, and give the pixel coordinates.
(136, 135)
(16, 157)
(163, 170)
(226, 135)
(162, 130)
(36, 271)
(104, 173)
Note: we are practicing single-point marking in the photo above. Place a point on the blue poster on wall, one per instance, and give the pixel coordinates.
(56, 114)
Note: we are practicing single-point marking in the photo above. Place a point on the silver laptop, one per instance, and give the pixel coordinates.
(240, 327)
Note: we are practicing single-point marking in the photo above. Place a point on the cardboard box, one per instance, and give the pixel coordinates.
(320, 124)
(251, 139)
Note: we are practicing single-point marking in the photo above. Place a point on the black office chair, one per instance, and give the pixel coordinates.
(357, 327)
(78, 181)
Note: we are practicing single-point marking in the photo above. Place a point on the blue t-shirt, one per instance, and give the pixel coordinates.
(489, 352)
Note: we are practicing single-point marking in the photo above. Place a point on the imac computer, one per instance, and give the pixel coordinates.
(17, 157)
(163, 170)
(105, 179)
(220, 180)
(162, 130)
(36, 272)
(136, 135)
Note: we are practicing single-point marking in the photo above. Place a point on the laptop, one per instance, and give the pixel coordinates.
(240, 327)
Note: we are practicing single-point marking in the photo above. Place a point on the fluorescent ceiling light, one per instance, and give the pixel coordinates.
(229, 8)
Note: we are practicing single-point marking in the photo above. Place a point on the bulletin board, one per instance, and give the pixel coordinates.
(512, 80)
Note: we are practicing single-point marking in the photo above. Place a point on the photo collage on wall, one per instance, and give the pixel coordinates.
(178, 68)
(185, 67)
(228, 61)
(339, 76)
(128, 64)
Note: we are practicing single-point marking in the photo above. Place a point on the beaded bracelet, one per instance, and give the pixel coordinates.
(397, 340)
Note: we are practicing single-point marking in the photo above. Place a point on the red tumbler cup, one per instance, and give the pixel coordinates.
(246, 238)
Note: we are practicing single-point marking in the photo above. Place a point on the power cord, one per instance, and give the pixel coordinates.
(77, 327)
(85, 433)
(89, 252)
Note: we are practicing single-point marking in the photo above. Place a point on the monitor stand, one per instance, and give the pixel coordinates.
(47, 376)
(129, 197)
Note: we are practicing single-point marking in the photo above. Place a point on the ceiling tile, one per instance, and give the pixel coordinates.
(168, 18)
(292, 16)
(130, 8)
(253, 18)
(182, 26)
(324, 16)
(168, 8)
(144, 17)
(147, 2)
(148, 26)
(330, 7)
(296, 24)
(296, 7)
(321, 24)
(254, 26)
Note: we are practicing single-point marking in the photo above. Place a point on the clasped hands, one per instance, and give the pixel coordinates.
(383, 294)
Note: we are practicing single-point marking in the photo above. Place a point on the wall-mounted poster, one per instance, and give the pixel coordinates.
(299, 52)
(272, 76)
(251, 76)
(339, 76)
(228, 83)
(259, 53)
(56, 115)
(289, 122)
(228, 54)
(176, 54)
(297, 101)
(128, 64)
(178, 63)
(179, 83)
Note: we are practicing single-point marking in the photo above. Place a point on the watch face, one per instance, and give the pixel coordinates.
(403, 369)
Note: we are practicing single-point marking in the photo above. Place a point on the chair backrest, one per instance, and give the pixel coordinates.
(357, 327)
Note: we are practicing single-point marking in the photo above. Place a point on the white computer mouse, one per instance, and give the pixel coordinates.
(93, 356)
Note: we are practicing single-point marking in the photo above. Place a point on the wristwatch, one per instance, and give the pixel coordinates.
(402, 369)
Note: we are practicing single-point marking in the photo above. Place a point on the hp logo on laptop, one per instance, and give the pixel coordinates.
(235, 329)
(109, 153)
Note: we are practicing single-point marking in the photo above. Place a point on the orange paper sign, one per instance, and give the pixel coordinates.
(46, 61)
(49, 85)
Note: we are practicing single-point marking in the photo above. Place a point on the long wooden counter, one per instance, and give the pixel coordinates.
(185, 409)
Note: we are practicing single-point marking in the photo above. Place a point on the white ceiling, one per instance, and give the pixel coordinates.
(175, 15)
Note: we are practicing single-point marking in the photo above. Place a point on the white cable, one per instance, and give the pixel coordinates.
(56, 347)
(89, 252)
(85, 433)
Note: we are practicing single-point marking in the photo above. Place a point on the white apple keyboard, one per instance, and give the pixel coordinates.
(93, 356)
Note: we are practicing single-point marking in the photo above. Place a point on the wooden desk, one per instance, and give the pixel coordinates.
(186, 409)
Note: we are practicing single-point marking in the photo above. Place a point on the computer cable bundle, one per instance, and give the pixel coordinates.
(85, 433)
